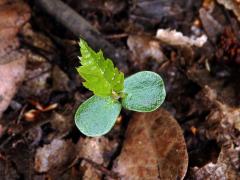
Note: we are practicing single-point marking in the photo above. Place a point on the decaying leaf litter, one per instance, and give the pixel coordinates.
(194, 45)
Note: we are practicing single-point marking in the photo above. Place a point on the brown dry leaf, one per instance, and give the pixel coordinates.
(44, 108)
(14, 14)
(11, 75)
(37, 73)
(89, 172)
(21, 155)
(145, 48)
(62, 123)
(37, 39)
(39, 69)
(7, 171)
(8, 33)
(60, 79)
(231, 157)
(2, 2)
(212, 27)
(225, 93)
(99, 150)
(12, 60)
(231, 5)
(54, 156)
(210, 171)
(174, 38)
(222, 125)
(223, 121)
(31, 115)
(12, 17)
(223, 169)
(7, 46)
(154, 148)
(96, 149)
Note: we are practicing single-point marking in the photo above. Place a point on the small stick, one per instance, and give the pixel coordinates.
(80, 27)
(117, 36)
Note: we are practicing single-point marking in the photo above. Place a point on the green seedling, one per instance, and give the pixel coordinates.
(141, 92)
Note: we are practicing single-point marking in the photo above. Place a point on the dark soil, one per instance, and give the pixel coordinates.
(38, 137)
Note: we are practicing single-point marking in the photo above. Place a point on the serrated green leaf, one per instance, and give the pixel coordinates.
(97, 115)
(144, 92)
(99, 73)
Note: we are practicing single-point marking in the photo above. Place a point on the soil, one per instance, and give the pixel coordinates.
(193, 44)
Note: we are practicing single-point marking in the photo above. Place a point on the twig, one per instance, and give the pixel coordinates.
(117, 36)
(21, 114)
(80, 27)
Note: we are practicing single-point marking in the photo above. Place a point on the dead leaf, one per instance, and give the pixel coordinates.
(2, 2)
(44, 108)
(11, 75)
(89, 172)
(231, 5)
(37, 73)
(12, 59)
(8, 33)
(145, 48)
(225, 93)
(210, 171)
(31, 115)
(212, 27)
(12, 56)
(21, 155)
(14, 14)
(62, 123)
(222, 122)
(154, 148)
(38, 40)
(222, 170)
(54, 156)
(60, 79)
(7, 46)
(7, 171)
(98, 150)
(228, 48)
(172, 37)
(221, 125)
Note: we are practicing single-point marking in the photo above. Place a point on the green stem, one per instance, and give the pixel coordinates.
(117, 96)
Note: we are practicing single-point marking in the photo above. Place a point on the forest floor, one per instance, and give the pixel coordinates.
(193, 44)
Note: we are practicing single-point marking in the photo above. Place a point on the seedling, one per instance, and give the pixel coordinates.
(141, 92)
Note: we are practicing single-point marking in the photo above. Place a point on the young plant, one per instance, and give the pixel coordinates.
(141, 92)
